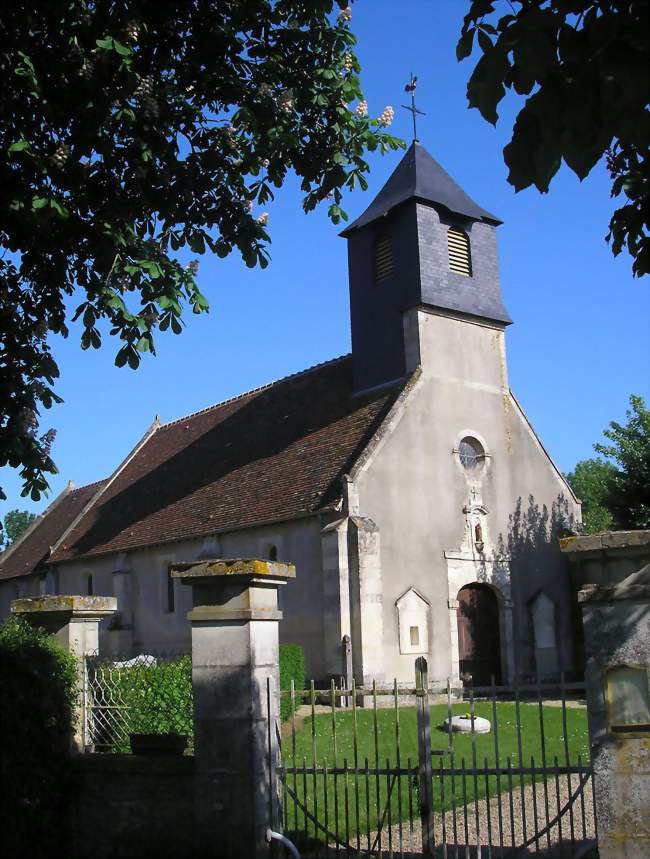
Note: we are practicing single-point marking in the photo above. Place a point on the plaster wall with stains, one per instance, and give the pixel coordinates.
(415, 489)
(139, 580)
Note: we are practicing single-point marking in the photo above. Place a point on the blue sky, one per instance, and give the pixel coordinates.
(577, 350)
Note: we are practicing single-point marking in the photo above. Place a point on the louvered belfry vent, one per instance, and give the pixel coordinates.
(460, 258)
(383, 258)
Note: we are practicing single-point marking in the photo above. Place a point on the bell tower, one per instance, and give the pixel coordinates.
(422, 244)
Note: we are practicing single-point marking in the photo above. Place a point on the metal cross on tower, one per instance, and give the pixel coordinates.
(413, 110)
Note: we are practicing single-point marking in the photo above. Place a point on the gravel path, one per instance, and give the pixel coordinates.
(554, 842)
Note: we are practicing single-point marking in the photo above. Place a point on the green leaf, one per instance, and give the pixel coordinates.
(485, 88)
(485, 42)
(59, 209)
(19, 146)
(121, 49)
(106, 44)
(197, 244)
(465, 44)
(89, 317)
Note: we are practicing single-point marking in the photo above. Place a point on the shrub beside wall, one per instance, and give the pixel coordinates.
(37, 699)
(156, 699)
(292, 667)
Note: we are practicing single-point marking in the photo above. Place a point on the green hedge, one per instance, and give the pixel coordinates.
(292, 667)
(37, 699)
(158, 698)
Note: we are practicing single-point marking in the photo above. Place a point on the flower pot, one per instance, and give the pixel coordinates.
(158, 745)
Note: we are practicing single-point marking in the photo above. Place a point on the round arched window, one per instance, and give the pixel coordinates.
(471, 453)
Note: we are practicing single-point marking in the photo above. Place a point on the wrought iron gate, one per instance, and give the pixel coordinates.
(383, 776)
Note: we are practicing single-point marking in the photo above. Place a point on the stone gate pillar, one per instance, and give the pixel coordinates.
(235, 650)
(74, 620)
(616, 622)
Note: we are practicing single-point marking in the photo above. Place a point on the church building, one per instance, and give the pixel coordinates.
(403, 480)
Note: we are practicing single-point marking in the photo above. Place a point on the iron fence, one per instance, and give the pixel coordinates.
(145, 694)
(378, 772)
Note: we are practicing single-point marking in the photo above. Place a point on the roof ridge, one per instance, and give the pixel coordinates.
(35, 523)
(254, 391)
(106, 483)
(88, 485)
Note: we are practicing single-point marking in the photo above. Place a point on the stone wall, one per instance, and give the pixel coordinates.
(125, 806)
(617, 636)
(601, 559)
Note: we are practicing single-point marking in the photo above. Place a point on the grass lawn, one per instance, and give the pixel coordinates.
(366, 796)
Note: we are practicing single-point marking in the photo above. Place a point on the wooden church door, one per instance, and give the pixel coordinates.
(479, 647)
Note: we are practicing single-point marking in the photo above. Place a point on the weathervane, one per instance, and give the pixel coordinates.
(413, 110)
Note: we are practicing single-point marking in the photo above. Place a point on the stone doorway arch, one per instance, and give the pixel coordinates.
(479, 640)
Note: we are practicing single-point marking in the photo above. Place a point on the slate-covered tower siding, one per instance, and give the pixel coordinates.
(478, 295)
(416, 207)
(376, 308)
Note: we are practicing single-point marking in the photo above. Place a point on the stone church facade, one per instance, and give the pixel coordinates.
(404, 480)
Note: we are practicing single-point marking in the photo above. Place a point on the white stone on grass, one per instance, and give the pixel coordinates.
(463, 724)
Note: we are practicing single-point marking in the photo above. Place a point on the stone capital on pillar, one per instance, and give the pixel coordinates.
(238, 589)
(235, 680)
(74, 620)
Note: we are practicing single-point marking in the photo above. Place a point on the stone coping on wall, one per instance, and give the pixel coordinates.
(576, 548)
(250, 567)
(634, 587)
(77, 606)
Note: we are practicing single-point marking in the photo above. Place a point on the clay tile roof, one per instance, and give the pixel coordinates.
(273, 454)
(30, 553)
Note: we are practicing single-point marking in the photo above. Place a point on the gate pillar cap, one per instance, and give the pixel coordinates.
(54, 613)
(635, 587)
(196, 572)
(82, 607)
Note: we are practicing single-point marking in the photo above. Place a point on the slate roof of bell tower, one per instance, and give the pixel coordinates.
(418, 176)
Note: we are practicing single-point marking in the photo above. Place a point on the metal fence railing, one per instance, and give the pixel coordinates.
(365, 770)
(147, 694)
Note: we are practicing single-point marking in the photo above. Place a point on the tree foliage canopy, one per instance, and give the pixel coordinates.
(616, 491)
(15, 522)
(590, 481)
(131, 132)
(628, 495)
(583, 67)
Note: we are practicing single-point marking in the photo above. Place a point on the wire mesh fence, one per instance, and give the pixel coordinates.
(378, 772)
(146, 694)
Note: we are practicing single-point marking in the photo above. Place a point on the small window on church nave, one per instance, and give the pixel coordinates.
(383, 257)
(471, 453)
(460, 257)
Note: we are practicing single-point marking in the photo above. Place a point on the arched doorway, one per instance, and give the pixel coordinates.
(479, 646)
